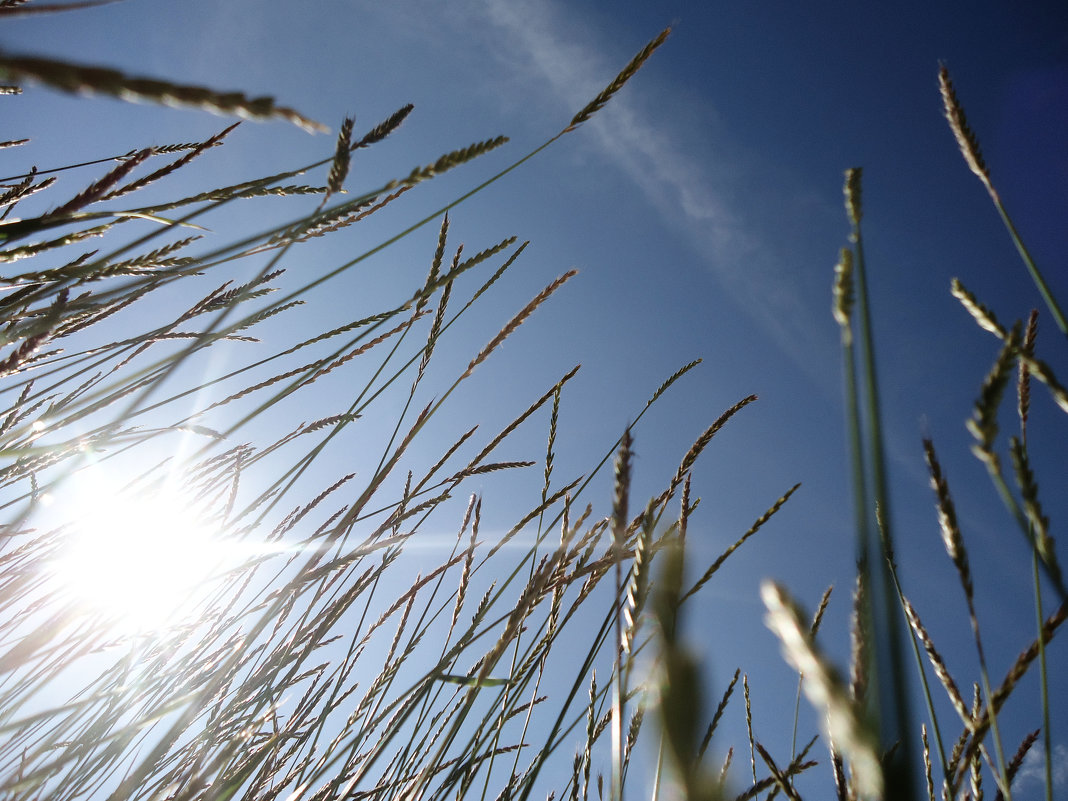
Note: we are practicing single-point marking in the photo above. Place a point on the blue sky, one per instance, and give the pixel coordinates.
(703, 209)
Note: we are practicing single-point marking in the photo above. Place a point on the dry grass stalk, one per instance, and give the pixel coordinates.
(699, 445)
(1018, 759)
(591, 728)
(983, 423)
(860, 640)
(98, 190)
(446, 456)
(435, 328)
(218, 298)
(638, 583)
(1023, 376)
(18, 410)
(975, 765)
(146, 262)
(321, 223)
(554, 416)
(951, 783)
(435, 264)
(1025, 479)
(491, 467)
(817, 618)
(633, 730)
(532, 514)
(192, 153)
(1028, 656)
(474, 515)
(621, 496)
(14, 8)
(617, 83)
(453, 273)
(671, 380)
(841, 785)
(245, 190)
(726, 766)
(497, 273)
(329, 422)
(576, 773)
(982, 314)
(28, 251)
(947, 520)
(684, 510)
(720, 709)
(518, 320)
(339, 168)
(23, 189)
(844, 721)
(796, 767)
(512, 426)
(760, 521)
(781, 781)
(37, 335)
(539, 583)
(749, 725)
(939, 664)
(852, 193)
(1042, 371)
(90, 80)
(24, 354)
(843, 293)
(384, 128)
(967, 141)
(927, 763)
(451, 160)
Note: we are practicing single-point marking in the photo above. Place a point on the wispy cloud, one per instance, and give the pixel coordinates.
(1033, 771)
(686, 167)
(544, 39)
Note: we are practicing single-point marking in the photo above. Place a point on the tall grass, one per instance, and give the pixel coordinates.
(869, 721)
(318, 654)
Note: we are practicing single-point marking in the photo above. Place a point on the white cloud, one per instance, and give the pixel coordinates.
(686, 167)
(1033, 771)
(647, 150)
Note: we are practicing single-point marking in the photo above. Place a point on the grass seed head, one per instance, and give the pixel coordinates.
(339, 169)
(88, 80)
(852, 195)
(845, 725)
(967, 141)
(982, 314)
(947, 519)
(617, 83)
(843, 293)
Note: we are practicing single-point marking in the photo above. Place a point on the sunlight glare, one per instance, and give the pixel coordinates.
(141, 560)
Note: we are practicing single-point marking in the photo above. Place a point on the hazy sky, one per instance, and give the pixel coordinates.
(703, 209)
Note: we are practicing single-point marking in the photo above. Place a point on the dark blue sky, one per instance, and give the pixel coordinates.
(703, 209)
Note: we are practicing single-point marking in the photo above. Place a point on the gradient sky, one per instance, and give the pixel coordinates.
(703, 208)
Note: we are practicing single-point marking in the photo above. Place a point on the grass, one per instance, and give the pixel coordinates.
(318, 655)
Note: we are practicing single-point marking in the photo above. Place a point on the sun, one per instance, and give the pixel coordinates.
(141, 558)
